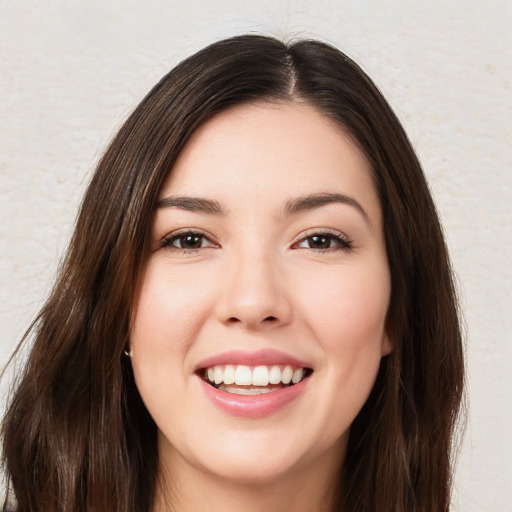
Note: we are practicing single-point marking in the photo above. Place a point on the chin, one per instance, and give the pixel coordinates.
(244, 472)
(249, 459)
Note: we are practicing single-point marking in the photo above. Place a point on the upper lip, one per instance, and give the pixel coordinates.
(256, 358)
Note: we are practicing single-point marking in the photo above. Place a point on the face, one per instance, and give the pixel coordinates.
(259, 324)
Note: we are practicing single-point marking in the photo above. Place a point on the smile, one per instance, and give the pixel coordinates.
(256, 380)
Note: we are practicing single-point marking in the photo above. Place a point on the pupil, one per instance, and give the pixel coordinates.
(320, 242)
(191, 241)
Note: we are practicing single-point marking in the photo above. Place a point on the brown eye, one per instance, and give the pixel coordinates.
(186, 241)
(319, 242)
(323, 242)
(189, 242)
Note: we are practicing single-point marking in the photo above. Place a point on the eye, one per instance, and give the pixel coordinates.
(186, 241)
(324, 241)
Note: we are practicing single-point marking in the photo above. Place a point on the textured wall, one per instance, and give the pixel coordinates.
(71, 71)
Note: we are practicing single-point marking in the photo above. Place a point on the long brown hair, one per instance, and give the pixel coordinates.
(77, 437)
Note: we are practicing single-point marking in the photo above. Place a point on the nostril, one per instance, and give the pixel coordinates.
(234, 319)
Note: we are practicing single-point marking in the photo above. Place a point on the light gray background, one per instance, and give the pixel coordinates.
(71, 71)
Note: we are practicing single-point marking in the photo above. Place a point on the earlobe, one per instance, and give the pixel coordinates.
(387, 346)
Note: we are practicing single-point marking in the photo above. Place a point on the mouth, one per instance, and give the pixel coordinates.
(253, 380)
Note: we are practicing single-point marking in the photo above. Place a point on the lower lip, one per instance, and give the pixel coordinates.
(253, 406)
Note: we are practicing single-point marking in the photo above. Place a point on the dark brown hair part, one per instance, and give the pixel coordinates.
(77, 437)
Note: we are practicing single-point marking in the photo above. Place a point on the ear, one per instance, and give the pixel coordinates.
(386, 345)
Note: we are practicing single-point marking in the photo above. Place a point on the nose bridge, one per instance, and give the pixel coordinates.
(253, 292)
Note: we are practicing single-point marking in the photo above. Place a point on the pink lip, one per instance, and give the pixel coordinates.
(260, 357)
(253, 406)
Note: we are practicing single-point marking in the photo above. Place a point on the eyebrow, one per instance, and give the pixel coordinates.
(310, 202)
(292, 206)
(193, 204)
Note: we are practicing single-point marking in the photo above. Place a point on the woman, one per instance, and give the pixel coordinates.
(256, 310)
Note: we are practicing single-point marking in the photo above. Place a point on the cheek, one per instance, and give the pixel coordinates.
(348, 320)
(167, 312)
(164, 326)
(353, 340)
(348, 310)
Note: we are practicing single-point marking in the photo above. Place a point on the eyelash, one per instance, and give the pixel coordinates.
(168, 241)
(341, 241)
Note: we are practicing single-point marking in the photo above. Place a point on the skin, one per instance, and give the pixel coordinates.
(257, 280)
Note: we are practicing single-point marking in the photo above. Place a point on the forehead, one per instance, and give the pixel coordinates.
(267, 150)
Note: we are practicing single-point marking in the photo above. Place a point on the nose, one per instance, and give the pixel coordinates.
(254, 293)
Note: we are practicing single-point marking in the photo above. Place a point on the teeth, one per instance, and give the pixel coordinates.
(218, 375)
(238, 390)
(243, 376)
(297, 375)
(287, 374)
(261, 376)
(274, 376)
(229, 374)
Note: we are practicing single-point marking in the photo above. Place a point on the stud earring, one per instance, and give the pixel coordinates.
(128, 353)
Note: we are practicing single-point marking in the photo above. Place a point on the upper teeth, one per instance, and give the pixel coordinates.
(253, 376)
